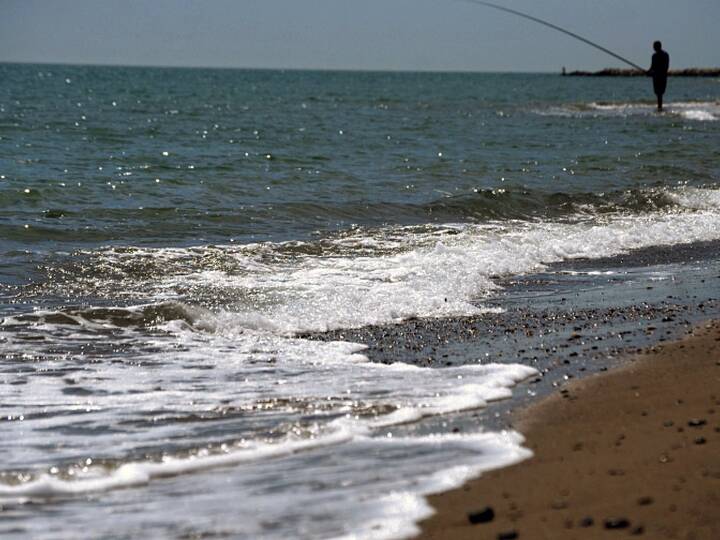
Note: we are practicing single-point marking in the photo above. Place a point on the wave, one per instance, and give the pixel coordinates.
(101, 318)
(388, 507)
(339, 447)
(522, 203)
(698, 111)
(480, 205)
(378, 275)
(481, 384)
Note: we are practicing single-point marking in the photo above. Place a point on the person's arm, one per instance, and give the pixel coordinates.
(655, 67)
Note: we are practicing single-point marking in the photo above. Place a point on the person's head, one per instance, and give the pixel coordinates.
(657, 46)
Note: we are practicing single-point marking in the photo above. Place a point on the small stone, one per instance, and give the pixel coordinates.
(700, 440)
(587, 522)
(645, 501)
(486, 515)
(617, 523)
(637, 531)
(697, 422)
(508, 535)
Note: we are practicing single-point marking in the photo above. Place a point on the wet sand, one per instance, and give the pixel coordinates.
(631, 452)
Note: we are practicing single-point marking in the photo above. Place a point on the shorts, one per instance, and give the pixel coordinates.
(659, 85)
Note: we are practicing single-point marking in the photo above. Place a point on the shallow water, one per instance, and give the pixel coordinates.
(166, 237)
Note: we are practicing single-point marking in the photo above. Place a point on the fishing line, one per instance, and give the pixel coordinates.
(554, 27)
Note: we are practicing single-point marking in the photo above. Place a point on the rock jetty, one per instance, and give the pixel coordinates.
(616, 72)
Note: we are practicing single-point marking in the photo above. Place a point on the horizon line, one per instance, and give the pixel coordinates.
(280, 69)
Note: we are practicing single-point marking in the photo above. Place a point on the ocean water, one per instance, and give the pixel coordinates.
(168, 237)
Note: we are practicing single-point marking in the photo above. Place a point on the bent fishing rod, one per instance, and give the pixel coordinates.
(554, 27)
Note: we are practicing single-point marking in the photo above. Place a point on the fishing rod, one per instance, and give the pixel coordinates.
(554, 27)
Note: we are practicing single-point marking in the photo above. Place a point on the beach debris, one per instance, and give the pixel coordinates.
(486, 515)
(617, 523)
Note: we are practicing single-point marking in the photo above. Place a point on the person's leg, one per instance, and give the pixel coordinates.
(659, 85)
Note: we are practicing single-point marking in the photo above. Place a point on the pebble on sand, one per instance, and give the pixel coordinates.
(486, 515)
(617, 523)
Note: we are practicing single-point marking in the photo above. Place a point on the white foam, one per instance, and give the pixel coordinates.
(699, 115)
(397, 514)
(451, 276)
(140, 473)
(699, 111)
(383, 512)
(326, 395)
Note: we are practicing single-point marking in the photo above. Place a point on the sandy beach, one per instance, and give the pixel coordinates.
(631, 452)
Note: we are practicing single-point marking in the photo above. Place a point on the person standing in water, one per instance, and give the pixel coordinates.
(659, 72)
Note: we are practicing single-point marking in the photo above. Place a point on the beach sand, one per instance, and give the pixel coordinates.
(631, 452)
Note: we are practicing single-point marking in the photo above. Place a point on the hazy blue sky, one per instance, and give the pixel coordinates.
(355, 34)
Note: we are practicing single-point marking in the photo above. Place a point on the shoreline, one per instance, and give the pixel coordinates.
(630, 451)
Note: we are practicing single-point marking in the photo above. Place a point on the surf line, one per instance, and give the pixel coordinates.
(554, 27)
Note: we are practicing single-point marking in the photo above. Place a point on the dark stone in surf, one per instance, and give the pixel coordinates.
(486, 515)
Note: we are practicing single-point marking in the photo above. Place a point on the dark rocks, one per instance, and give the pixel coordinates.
(486, 515)
(509, 535)
(619, 72)
(700, 440)
(587, 522)
(697, 422)
(645, 501)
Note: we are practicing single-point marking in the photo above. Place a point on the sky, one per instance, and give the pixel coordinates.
(426, 35)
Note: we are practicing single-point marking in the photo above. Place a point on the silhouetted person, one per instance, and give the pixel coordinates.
(659, 72)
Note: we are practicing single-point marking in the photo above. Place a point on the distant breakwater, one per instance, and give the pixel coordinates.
(616, 72)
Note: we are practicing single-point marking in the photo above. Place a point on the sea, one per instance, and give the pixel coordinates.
(196, 264)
